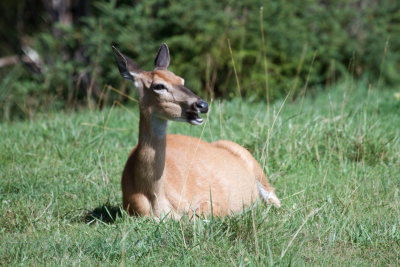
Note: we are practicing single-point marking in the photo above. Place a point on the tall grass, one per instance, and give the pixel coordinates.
(334, 160)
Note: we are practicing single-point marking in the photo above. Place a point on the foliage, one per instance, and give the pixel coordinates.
(334, 161)
(305, 44)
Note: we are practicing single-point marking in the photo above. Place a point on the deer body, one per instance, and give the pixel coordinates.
(175, 174)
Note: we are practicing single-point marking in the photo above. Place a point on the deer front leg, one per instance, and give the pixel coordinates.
(138, 204)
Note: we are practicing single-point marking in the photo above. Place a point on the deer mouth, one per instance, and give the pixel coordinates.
(194, 118)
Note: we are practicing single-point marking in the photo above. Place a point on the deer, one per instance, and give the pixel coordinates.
(173, 175)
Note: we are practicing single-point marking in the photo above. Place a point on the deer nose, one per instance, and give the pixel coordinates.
(201, 106)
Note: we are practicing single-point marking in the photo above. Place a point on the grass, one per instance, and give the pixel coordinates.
(334, 160)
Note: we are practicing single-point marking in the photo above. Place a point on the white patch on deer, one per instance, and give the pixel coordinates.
(263, 193)
(133, 74)
(158, 126)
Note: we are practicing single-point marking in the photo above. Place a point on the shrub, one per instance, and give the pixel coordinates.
(306, 43)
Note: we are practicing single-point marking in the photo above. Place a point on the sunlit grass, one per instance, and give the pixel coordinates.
(334, 161)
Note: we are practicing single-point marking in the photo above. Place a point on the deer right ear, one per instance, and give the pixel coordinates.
(161, 62)
(126, 66)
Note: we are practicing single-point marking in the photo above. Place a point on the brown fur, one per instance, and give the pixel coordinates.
(176, 174)
(196, 174)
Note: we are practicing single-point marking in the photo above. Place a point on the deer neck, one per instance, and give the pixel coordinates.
(150, 151)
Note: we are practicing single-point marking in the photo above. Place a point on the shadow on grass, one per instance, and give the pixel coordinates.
(105, 213)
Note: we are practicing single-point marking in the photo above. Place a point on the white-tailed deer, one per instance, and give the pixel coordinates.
(176, 174)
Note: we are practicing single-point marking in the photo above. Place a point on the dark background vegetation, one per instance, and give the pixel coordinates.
(58, 55)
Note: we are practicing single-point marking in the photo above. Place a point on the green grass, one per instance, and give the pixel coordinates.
(334, 160)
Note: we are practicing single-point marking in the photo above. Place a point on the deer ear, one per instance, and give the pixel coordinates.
(126, 66)
(161, 62)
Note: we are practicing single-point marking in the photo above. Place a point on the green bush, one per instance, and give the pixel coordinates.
(309, 42)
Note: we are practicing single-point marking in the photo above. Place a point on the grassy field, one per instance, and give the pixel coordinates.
(334, 160)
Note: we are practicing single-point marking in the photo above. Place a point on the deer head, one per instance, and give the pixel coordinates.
(161, 92)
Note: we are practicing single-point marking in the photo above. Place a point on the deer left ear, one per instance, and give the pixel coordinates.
(126, 66)
(161, 62)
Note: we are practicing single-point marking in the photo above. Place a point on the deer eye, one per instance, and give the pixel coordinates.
(159, 87)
